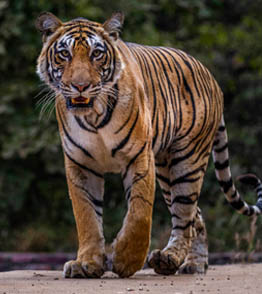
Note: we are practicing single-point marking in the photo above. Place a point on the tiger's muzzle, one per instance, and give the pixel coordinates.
(80, 101)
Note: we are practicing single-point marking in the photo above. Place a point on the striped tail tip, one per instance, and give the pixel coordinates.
(255, 182)
(249, 179)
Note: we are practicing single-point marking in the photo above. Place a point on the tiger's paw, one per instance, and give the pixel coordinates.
(82, 269)
(125, 266)
(191, 267)
(126, 260)
(124, 270)
(163, 262)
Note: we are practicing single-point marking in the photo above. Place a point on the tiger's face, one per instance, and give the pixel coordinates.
(79, 59)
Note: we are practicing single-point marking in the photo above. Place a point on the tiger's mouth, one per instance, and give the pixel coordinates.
(79, 102)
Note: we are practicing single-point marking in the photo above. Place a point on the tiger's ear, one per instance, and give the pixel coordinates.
(47, 24)
(114, 24)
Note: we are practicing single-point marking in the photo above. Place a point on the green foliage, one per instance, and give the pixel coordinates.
(35, 212)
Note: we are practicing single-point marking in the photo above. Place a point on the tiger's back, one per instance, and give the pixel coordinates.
(184, 99)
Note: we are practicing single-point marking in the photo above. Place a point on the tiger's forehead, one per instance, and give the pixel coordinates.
(81, 31)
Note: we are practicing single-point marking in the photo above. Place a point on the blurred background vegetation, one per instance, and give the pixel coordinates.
(35, 211)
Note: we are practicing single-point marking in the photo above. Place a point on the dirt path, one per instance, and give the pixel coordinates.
(227, 279)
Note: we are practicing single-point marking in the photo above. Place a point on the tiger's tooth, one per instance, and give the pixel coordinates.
(77, 101)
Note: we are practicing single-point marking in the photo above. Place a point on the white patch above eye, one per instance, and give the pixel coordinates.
(66, 43)
(68, 40)
(93, 42)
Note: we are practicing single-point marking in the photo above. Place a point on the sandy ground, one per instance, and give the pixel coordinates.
(227, 279)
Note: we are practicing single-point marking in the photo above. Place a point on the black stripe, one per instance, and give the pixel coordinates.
(221, 128)
(237, 204)
(112, 63)
(127, 121)
(190, 223)
(189, 91)
(184, 178)
(234, 195)
(141, 52)
(82, 126)
(163, 179)
(175, 216)
(221, 149)
(166, 192)
(204, 152)
(144, 69)
(259, 204)
(144, 55)
(150, 53)
(250, 211)
(168, 135)
(189, 66)
(71, 140)
(140, 197)
(125, 140)
(84, 167)
(90, 197)
(180, 111)
(182, 199)
(226, 185)
(128, 194)
(175, 63)
(133, 159)
(202, 81)
(161, 164)
(137, 178)
(220, 166)
(156, 132)
(192, 141)
(258, 190)
(50, 76)
(96, 202)
(176, 160)
(160, 51)
(109, 110)
(216, 142)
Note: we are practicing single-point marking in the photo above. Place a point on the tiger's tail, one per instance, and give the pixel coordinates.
(223, 175)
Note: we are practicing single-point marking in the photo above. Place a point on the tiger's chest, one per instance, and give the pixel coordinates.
(89, 147)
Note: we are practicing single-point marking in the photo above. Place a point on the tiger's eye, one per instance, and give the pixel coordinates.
(96, 52)
(65, 53)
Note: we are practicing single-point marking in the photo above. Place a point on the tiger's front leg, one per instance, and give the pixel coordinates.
(132, 242)
(86, 192)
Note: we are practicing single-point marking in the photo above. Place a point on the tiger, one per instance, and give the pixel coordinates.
(147, 113)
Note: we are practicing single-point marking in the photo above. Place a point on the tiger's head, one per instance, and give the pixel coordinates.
(79, 60)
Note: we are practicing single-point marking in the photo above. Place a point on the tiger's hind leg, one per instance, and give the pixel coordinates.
(183, 177)
(197, 259)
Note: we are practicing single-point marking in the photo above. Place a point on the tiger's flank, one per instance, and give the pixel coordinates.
(144, 112)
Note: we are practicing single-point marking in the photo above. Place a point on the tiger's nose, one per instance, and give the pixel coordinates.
(81, 87)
